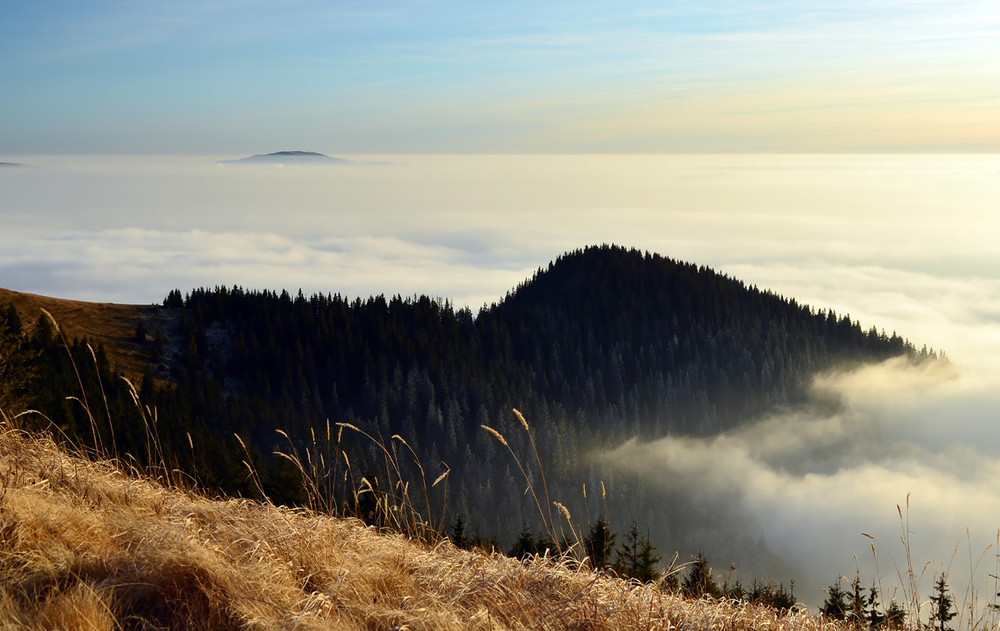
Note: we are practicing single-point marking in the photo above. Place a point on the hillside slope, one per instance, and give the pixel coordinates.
(110, 325)
(84, 546)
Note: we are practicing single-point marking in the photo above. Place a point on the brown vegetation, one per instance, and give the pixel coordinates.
(103, 324)
(84, 546)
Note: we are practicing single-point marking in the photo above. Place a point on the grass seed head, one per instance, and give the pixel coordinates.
(520, 417)
(496, 435)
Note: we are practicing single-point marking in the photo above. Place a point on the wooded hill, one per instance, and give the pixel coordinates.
(604, 344)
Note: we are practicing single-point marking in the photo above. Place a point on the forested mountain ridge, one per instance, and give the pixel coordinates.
(604, 344)
(693, 346)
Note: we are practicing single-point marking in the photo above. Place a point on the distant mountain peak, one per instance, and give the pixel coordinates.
(288, 157)
(295, 154)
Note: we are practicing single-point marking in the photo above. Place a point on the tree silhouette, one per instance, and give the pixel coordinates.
(942, 603)
(698, 581)
(856, 611)
(895, 616)
(637, 558)
(600, 543)
(835, 606)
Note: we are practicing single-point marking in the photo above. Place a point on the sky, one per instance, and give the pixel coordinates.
(844, 154)
(433, 76)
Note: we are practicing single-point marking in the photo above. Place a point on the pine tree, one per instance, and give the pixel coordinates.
(835, 606)
(525, 544)
(875, 617)
(599, 544)
(458, 533)
(637, 558)
(895, 616)
(941, 605)
(699, 582)
(856, 601)
(174, 299)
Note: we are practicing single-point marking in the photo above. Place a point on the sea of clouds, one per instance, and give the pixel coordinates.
(904, 243)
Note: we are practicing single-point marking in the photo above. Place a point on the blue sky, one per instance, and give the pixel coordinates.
(427, 76)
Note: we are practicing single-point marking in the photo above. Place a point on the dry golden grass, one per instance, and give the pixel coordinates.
(83, 546)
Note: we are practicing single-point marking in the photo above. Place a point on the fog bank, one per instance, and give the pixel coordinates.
(809, 481)
(901, 242)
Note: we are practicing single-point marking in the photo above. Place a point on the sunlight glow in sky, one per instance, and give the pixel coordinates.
(426, 76)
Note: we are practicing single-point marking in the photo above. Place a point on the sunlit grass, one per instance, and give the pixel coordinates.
(84, 546)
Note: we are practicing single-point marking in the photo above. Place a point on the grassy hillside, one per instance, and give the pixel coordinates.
(111, 326)
(83, 545)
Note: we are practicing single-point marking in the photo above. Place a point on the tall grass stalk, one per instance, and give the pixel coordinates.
(155, 455)
(394, 505)
(546, 521)
(98, 443)
(538, 460)
(320, 472)
(972, 614)
(253, 475)
(104, 398)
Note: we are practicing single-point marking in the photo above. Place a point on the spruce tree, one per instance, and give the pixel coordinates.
(856, 601)
(637, 558)
(458, 533)
(895, 616)
(524, 545)
(875, 617)
(599, 544)
(942, 605)
(699, 582)
(835, 606)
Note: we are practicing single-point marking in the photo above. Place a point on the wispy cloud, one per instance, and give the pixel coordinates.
(145, 264)
(580, 78)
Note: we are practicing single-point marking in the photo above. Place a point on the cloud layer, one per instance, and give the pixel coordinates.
(902, 243)
(808, 482)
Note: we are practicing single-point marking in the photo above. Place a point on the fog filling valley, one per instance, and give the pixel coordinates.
(900, 243)
(807, 482)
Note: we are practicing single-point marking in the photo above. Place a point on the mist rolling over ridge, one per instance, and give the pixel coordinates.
(807, 482)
